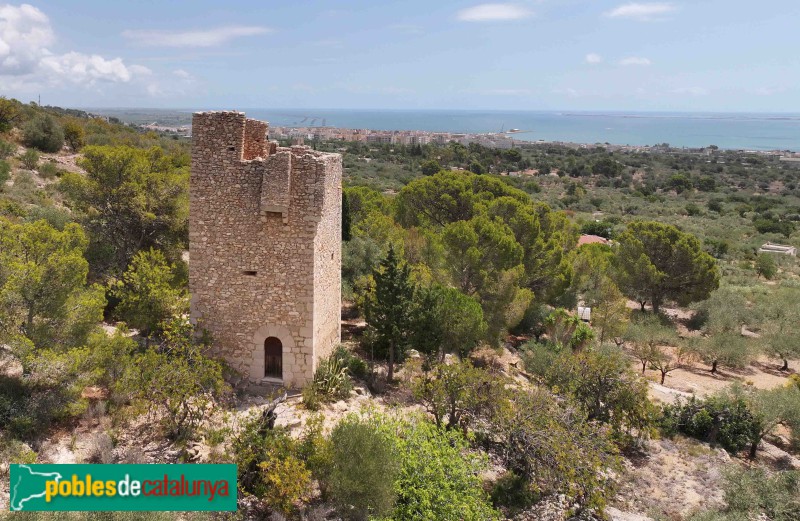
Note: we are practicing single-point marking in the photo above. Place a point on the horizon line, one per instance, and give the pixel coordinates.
(384, 109)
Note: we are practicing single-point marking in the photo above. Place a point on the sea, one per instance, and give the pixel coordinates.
(736, 131)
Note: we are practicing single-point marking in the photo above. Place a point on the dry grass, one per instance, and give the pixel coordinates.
(673, 479)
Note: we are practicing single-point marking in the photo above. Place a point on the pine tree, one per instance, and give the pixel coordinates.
(389, 308)
(346, 219)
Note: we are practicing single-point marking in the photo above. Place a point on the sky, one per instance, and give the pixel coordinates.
(603, 55)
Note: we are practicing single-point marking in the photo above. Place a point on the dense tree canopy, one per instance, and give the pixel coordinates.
(43, 283)
(498, 245)
(132, 199)
(657, 262)
(146, 293)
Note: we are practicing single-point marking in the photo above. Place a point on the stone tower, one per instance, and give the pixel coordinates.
(265, 248)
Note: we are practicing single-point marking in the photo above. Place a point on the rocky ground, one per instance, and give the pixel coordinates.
(667, 480)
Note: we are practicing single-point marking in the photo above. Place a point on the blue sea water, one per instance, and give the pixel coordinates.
(726, 130)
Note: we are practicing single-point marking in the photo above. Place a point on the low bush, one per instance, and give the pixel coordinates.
(332, 379)
(439, 476)
(5, 173)
(30, 159)
(356, 366)
(381, 467)
(602, 382)
(513, 493)
(44, 133)
(717, 419)
(7, 149)
(286, 482)
(49, 170)
(758, 494)
(365, 464)
(176, 380)
(270, 466)
(48, 394)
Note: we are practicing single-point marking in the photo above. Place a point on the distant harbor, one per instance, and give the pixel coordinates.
(734, 131)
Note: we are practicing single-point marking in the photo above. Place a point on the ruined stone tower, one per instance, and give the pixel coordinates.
(265, 248)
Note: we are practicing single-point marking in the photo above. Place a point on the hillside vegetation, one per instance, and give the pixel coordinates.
(467, 386)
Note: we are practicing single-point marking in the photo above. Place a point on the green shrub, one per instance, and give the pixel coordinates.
(286, 482)
(356, 366)
(255, 444)
(311, 398)
(5, 173)
(14, 451)
(331, 380)
(715, 205)
(513, 493)
(74, 134)
(315, 450)
(755, 493)
(573, 458)
(56, 217)
(365, 464)
(717, 419)
(176, 379)
(539, 357)
(44, 133)
(439, 477)
(49, 394)
(458, 394)
(766, 266)
(601, 228)
(603, 383)
(9, 208)
(7, 149)
(49, 170)
(30, 159)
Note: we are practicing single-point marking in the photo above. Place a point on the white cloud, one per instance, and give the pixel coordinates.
(26, 34)
(83, 68)
(180, 73)
(493, 13)
(197, 38)
(594, 58)
(691, 91)
(635, 61)
(642, 12)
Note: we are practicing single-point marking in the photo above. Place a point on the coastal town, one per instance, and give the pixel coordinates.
(499, 140)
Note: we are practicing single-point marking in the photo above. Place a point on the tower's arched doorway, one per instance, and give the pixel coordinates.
(273, 358)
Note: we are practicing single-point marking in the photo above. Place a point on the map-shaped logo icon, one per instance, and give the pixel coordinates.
(27, 484)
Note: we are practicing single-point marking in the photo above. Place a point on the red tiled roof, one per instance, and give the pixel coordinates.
(591, 239)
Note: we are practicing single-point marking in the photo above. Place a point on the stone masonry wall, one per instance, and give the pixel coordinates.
(265, 245)
(328, 262)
